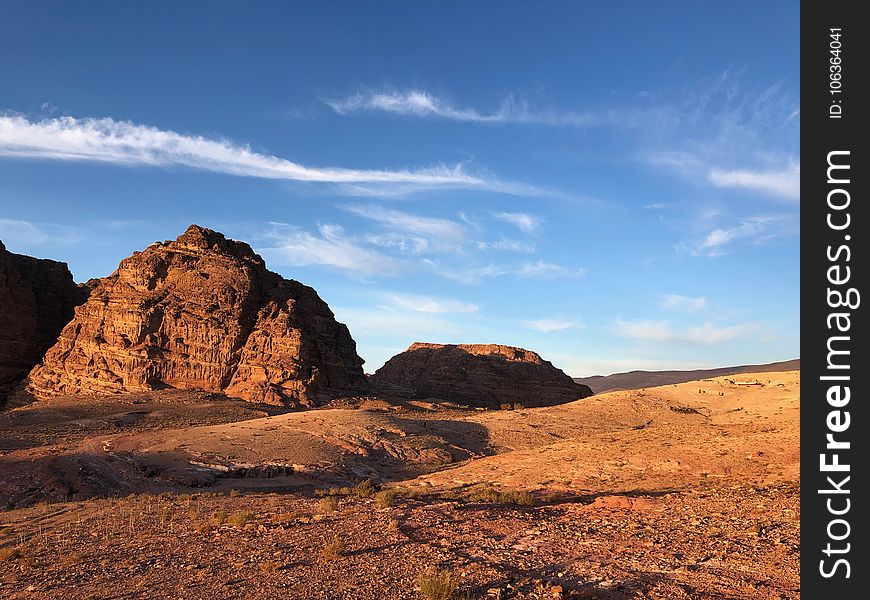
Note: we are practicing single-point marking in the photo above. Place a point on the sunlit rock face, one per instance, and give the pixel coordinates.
(203, 312)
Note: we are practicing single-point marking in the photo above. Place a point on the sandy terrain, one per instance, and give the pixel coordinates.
(634, 380)
(681, 491)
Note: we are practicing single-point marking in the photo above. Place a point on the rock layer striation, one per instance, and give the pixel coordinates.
(483, 375)
(203, 312)
(37, 298)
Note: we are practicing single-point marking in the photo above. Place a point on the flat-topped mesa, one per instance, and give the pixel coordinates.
(203, 312)
(37, 298)
(511, 353)
(483, 375)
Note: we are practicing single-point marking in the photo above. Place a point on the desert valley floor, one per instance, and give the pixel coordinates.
(679, 491)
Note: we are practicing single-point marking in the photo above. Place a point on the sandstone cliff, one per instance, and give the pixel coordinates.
(203, 312)
(486, 375)
(37, 298)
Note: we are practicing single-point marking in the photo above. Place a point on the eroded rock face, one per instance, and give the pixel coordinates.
(203, 312)
(37, 298)
(485, 375)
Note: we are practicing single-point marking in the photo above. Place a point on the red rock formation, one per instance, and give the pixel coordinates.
(37, 298)
(203, 312)
(487, 375)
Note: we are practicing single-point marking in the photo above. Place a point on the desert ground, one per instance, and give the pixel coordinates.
(679, 491)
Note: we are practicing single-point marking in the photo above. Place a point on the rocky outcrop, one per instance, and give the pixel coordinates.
(37, 298)
(484, 375)
(203, 312)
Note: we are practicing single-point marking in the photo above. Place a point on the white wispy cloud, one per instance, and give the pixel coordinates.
(475, 273)
(543, 269)
(26, 234)
(553, 324)
(409, 232)
(423, 104)
(293, 246)
(525, 222)
(730, 134)
(506, 244)
(687, 304)
(752, 230)
(706, 334)
(785, 183)
(430, 304)
(124, 143)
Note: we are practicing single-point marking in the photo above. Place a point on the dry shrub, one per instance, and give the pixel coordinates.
(365, 488)
(437, 584)
(496, 496)
(327, 505)
(334, 550)
(203, 527)
(285, 517)
(241, 518)
(10, 553)
(386, 498)
(335, 491)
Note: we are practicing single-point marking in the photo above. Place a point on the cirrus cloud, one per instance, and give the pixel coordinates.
(705, 334)
(106, 140)
(785, 183)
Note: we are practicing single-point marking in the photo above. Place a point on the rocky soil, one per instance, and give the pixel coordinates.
(682, 491)
(711, 542)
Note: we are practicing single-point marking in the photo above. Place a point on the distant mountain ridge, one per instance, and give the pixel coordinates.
(633, 380)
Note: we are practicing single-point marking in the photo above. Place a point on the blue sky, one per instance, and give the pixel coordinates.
(615, 187)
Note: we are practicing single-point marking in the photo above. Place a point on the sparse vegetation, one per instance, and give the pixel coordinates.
(334, 550)
(437, 584)
(240, 518)
(496, 496)
(327, 505)
(335, 491)
(10, 554)
(365, 489)
(386, 498)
